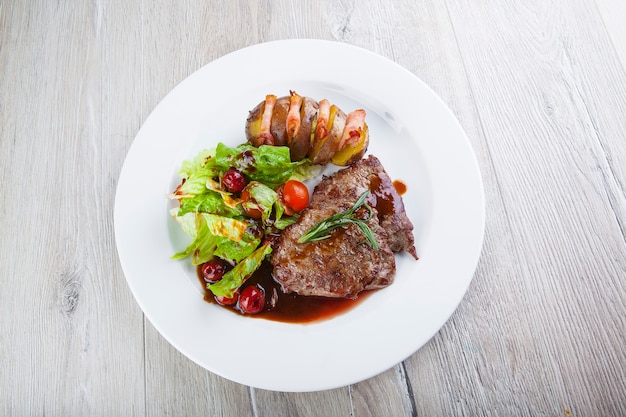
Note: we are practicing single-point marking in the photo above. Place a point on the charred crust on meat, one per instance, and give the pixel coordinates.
(342, 266)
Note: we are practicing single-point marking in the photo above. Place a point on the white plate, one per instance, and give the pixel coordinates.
(417, 139)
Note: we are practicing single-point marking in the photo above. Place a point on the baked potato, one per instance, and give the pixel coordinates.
(319, 131)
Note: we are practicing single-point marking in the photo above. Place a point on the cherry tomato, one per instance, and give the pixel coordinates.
(296, 195)
(252, 300)
(227, 301)
(234, 181)
(251, 210)
(213, 270)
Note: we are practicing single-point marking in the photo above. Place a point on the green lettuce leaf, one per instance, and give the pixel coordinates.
(263, 199)
(203, 246)
(227, 227)
(234, 278)
(234, 251)
(306, 172)
(209, 202)
(285, 221)
(193, 166)
(215, 235)
(193, 185)
(270, 165)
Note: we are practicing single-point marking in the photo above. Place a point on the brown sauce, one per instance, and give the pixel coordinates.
(289, 308)
(385, 195)
(400, 186)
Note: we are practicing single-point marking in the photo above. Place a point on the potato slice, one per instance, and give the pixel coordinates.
(300, 144)
(353, 152)
(279, 121)
(253, 124)
(324, 148)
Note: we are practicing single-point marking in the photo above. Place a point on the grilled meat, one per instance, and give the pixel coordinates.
(345, 264)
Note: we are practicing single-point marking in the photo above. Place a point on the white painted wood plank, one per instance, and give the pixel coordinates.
(386, 394)
(549, 91)
(72, 341)
(333, 402)
(614, 15)
(177, 386)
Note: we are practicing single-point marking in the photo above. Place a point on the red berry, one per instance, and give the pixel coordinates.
(252, 300)
(227, 301)
(213, 270)
(234, 181)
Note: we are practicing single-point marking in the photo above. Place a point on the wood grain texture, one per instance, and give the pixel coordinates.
(614, 15)
(540, 89)
(548, 137)
(67, 315)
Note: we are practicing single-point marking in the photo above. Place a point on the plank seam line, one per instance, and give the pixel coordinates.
(145, 367)
(351, 401)
(409, 389)
(252, 395)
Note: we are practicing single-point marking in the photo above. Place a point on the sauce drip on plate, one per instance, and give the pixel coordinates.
(289, 308)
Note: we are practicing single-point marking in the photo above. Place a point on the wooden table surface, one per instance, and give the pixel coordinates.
(538, 86)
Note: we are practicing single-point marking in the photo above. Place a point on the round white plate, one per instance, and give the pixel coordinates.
(417, 139)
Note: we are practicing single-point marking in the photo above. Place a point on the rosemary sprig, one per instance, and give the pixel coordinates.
(322, 229)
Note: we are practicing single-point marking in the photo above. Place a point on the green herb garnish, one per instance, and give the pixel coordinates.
(322, 229)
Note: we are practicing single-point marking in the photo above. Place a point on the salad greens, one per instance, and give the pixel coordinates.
(218, 221)
(263, 199)
(233, 279)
